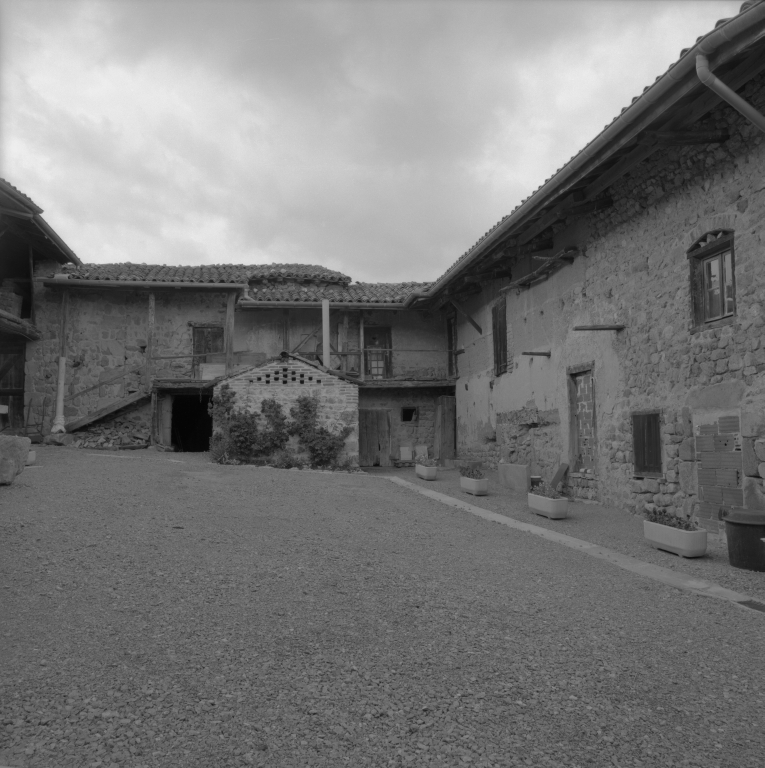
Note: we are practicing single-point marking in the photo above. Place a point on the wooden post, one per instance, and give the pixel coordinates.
(31, 285)
(326, 352)
(148, 368)
(228, 333)
(286, 330)
(342, 342)
(361, 345)
(59, 422)
(153, 433)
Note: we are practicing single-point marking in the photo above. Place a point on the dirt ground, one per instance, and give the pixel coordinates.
(160, 611)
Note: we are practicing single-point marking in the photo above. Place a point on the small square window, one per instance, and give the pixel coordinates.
(409, 414)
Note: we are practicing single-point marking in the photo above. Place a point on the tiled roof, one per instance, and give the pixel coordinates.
(355, 293)
(209, 273)
(746, 5)
(9, 189)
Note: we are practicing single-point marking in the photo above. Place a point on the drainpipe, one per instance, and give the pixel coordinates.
(728, 94)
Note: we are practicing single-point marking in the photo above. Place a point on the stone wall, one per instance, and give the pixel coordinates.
(635, 272)
(286, 381)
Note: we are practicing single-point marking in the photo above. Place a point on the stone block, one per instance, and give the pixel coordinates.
(754, 495)
(752, 422)
(515, 476)
(13, 457)
(687, 474)
(687, 450)
(759, 449)
(751, 462)
(650, 485)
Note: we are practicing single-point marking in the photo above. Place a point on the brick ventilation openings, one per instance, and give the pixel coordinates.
(285, 376)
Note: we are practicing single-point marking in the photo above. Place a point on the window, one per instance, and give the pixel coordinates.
(713, 284)
(377, 352)
(646, 443)
(408, 414)
(499, 333)
(207, 341)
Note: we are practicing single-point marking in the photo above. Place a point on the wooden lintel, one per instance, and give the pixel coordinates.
(464, 314)
(598, 327)
(537, 354)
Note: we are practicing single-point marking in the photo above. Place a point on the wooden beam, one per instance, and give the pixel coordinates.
(31, 285)
(342, 341)
(148, 369)
(537, 354)
(325, 334)
(464, 314)
(362, 360)
(546, 220)
(228, 333)
(598, 327)
(285, 330)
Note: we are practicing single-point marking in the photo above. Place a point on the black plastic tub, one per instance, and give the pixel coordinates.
(746, 539)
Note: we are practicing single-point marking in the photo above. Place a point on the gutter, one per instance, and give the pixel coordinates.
(67, 282)
(742, 106)
(740, 31)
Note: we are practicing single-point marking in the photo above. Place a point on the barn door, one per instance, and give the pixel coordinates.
(445, 444)
(374, 438)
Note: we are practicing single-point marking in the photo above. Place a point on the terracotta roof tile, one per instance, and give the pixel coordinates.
(208, 273)
(357, 293)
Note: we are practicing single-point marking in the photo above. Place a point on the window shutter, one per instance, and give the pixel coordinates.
(646, 442)
(499, 336)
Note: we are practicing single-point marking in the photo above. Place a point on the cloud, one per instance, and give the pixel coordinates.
(381, 139)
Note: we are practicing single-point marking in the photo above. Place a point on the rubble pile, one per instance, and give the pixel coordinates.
(113, 435)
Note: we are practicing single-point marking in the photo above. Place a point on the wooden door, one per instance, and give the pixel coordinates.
(378, 354)
(12, 352)
(165, 419)
(445, 443)
(374, 438)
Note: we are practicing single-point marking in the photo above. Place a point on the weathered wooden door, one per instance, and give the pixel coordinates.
(445, 443)
(374, 438)
(12, 381)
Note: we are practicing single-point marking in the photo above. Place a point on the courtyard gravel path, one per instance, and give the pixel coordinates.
(161, 611)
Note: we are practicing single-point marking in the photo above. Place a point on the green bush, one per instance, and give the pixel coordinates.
(323, 447)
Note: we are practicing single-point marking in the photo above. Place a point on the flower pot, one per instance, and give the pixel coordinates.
(676, 540)
(555, 509)
(478, 487)
(426, 473)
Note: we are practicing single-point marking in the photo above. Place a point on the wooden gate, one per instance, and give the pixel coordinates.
(445, 443)
(374, 438)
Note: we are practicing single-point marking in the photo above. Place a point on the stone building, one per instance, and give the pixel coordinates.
(614, 320)
(143, 347)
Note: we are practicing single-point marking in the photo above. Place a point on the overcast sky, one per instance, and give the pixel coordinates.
(378, 138)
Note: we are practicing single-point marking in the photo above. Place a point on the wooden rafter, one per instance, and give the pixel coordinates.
(465, 314)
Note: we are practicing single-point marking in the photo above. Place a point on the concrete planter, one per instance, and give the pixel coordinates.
(555, 509)
(669, 539)
(478, 487)
(426, 473)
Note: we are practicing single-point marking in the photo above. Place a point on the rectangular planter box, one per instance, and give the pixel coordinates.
(478, 487)
(555, 509)
(426, 473)
(683, 543)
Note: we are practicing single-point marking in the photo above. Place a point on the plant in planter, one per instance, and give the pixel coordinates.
(474, 481)
(546, 501)
(426, 468)
(674, 534)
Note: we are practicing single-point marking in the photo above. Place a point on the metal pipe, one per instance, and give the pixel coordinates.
(250, 304)
(59, 421)
(728, 94)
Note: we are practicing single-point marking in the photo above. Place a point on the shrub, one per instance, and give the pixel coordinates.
(323, 447)
(474, 474)
(546, 490)
(426, 462)
(664, 518)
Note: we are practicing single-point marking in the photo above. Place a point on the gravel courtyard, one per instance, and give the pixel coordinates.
(159, 610)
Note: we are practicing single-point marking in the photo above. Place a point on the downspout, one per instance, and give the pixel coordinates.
(728, 94)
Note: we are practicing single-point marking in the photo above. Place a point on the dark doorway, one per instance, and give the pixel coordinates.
(192, 424)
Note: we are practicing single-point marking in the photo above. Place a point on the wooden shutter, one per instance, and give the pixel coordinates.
(499, 335)
(646, 442)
